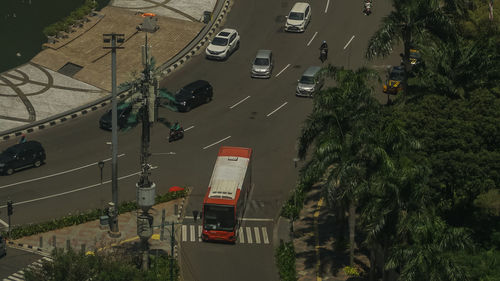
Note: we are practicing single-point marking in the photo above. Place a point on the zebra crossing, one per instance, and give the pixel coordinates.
(246, 235)
(19, 276)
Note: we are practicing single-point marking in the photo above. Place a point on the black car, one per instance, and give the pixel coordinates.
(193, 95)
(123, 112)
(16, 157)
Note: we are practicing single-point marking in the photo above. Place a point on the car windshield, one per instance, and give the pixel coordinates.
(218, 217)
(307, 80)
(296, 16)
(218, 41)
(9, 151)
(396, 75)
(261, 61)
(415, 55)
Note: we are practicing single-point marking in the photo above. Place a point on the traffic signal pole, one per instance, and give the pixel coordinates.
(113, 38)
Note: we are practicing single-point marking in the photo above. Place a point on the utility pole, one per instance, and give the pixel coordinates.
(114, 38)
(10, 211)
(146, 189)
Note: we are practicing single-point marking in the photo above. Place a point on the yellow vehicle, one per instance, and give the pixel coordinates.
(414, 56)
(393, 83)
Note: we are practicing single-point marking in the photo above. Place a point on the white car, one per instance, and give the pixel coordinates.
(223, 44)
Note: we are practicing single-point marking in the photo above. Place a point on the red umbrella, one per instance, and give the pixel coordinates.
(176, 188)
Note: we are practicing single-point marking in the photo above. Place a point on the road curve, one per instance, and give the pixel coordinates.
(262, 114)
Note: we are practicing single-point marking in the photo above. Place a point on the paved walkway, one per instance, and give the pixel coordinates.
(75, 70)
(319, 255)
(91, 236)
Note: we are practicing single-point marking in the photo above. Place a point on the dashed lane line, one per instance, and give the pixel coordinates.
(276, 109)
(234, 105)
(216, 142)
(57, 174)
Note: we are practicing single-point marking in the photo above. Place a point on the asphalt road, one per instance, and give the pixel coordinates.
(262, 114)
(14, 261)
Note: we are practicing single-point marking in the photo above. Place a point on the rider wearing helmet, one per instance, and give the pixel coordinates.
(324, 46)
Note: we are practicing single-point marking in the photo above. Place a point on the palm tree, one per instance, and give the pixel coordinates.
(409, 22)
(339, 128)
(455, 69)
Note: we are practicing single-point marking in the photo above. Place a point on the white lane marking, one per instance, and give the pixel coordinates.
(57, 174)
(193, 234)
(14, 278)
(348, 42)
(240, 235)
(257, 235)
(327, 3)
(282, 70)
(199, 233)
(244, 219)
(216, 142)
(249, 235)
(315, 33)
(164, 153)
(4, 223)
(18, 275)
(264, 235)
(276, 109)
(184, 233)
(189, 128)
(234, 105)
(73, 191)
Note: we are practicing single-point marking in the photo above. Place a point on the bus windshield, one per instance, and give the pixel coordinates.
(218, 217)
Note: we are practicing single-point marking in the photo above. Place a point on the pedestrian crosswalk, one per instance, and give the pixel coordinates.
(246, 234)
(19, 276)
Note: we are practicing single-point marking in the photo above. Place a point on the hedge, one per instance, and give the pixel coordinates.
(31, 229)
(285, 261)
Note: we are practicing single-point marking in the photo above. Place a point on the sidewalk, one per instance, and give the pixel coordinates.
(319, 256)
(90, 237)
(75, 70)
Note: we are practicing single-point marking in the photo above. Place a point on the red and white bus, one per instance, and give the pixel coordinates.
(228, 190)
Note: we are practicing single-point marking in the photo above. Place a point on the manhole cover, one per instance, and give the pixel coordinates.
(70, 69)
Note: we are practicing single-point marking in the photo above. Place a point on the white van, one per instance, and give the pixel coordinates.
(309, 83)
(298, 18)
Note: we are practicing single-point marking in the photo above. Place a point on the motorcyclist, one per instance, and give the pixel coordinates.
(368, 6)
(175, 128)
(324, 46)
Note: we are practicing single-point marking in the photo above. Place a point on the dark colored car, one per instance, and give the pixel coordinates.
(193, 95)
(123, 112)
(19, 156)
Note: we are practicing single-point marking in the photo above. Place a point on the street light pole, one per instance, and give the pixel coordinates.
(114, 38)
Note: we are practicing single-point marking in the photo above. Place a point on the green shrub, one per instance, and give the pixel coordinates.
(31, 229)
(351, 271)
(285, 261)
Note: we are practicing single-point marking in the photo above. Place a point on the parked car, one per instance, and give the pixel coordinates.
(3, 246)
(224, 43)
(193, 95)
(22, 155)
(262, 65)
(123, 113)
(298, 18)
(395, 78)
(309, 82)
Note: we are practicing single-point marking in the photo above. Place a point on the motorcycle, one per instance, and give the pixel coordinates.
(176, 134)
(323, 55)
(368, 8)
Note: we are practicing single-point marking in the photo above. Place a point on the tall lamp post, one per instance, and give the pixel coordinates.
(113, 39)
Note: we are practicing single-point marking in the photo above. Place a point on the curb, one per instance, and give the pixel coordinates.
(47, 253)
(202, 43)
(63, 119)
(28, 248)
(168, 70)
